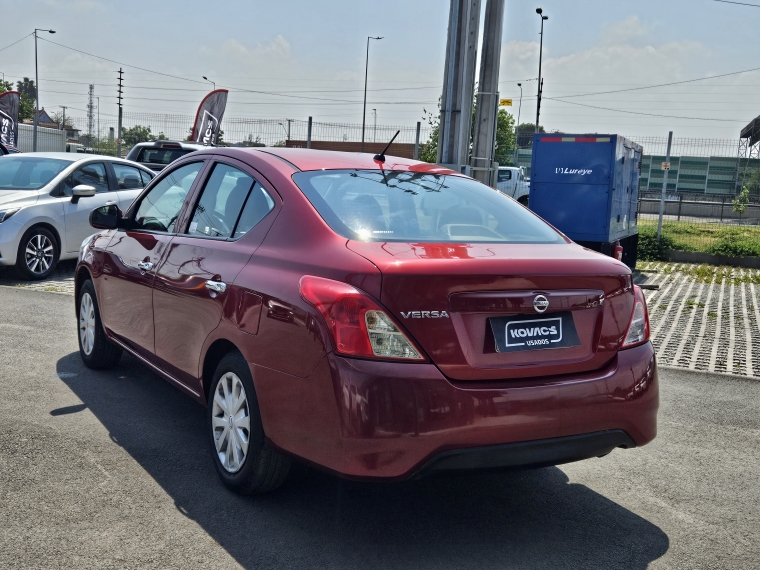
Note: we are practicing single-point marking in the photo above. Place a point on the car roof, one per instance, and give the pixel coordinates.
(183, 144)
(309, 159)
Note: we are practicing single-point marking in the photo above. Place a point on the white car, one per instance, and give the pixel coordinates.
(46, 199)
(511, 181)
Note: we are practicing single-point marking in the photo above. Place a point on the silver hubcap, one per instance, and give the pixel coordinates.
(39, 254)
(231, 422)
(87, 323)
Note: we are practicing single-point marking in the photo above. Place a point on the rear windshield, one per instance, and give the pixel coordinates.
(375, 205)
(28, 172)
(161, 155)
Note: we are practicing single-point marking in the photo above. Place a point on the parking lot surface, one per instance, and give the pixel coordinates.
(111, 470)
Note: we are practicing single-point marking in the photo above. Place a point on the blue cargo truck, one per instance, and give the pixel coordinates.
(587, 186)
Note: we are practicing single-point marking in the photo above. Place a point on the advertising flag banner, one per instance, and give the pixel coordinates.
(9, 102)
(209, 117)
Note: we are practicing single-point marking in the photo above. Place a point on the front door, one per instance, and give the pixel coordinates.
(77, 215)
(193, 283)
(134, 254)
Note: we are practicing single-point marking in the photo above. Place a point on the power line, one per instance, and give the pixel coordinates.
(739, 3)
(14, 43)
(647, 114)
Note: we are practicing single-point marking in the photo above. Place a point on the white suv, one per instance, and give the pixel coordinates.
(46, 199)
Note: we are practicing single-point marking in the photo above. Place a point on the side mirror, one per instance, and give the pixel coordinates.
(82, 191)
(107, 217)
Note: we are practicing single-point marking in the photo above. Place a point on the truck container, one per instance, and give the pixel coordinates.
(587, 186)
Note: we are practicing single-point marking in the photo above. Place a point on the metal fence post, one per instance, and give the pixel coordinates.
(664, 187)
(417, 142)
(308, 135)
(680, 202)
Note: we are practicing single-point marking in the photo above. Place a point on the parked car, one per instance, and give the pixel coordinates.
(511, 181)
(381, 320)
(156, 155)
(45, 204)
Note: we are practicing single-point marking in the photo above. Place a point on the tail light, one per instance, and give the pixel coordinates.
(638, 329)
(357, 324)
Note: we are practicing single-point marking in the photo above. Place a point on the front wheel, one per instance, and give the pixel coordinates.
(96, 350)
(246, 463)
(37, 254)
(523, 200)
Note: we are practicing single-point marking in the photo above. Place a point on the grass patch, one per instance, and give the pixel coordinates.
(714, 238)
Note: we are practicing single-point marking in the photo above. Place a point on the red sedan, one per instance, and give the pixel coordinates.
(381, 319)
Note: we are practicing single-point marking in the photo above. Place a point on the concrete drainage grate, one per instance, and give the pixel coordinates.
(703, 317)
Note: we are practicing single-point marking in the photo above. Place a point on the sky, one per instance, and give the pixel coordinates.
(298, 58)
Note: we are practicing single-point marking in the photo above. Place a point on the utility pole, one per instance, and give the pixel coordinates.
(458, 83)
(98, 98)
(540, 12)
(119, 98)
(417, 142)
(288, 120)
(517, 126)
(65, 137)
(374, 135)
(308, 134)
(90, 113)
(487, 111)
(665, 186)
(36, 88)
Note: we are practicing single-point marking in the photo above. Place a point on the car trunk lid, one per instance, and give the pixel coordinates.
(464, 302)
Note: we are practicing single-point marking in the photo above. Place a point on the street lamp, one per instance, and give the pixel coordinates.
(37, 88)
(212, 83)
(517, 128)
(366, 68)
(540, 12)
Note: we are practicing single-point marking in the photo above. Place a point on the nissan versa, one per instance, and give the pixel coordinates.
(379, 318)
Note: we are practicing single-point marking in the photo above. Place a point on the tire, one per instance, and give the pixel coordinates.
(259, 468)
(37, 254)
(96, 350)
(523, 200)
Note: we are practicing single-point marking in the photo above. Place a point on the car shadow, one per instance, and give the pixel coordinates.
(531, 519)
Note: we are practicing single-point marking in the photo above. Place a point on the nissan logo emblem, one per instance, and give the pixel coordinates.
(540, 303)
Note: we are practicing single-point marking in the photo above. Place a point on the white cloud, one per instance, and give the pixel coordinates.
(77, 5)
(623, 32)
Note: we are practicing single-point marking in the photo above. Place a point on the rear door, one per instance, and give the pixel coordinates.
(230, 216)
(77, 215)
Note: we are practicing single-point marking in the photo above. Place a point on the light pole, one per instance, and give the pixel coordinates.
(540, 12)
(207, 79)
(366, 69)
(37, 88)
(517, 128)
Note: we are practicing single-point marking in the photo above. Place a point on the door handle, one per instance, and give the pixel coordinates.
(216, 286)
(145, 265)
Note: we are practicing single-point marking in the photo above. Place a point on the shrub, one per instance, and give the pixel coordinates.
(652, 250)
(736, 242)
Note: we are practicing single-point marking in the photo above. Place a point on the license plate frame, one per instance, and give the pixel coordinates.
(518, 333)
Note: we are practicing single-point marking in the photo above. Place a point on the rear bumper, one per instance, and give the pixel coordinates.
(380, 420)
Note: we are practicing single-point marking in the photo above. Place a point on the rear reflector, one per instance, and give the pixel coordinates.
(357, 324)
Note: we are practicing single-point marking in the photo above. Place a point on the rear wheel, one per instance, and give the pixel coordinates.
(96, 350)
(244, 460)
(37, 254)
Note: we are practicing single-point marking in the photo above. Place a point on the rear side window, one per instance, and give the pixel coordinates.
(376, 205)
(231, 203)
(160, 155)
(160, 207)
(127, 177)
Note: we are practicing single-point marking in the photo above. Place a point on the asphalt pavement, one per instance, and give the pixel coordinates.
(112, 470)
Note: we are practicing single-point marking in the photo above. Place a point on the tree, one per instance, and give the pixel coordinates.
(28, 94)
(740, 204)
(505, 135)
(525, 133)
(5, 86)
(136, 134)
